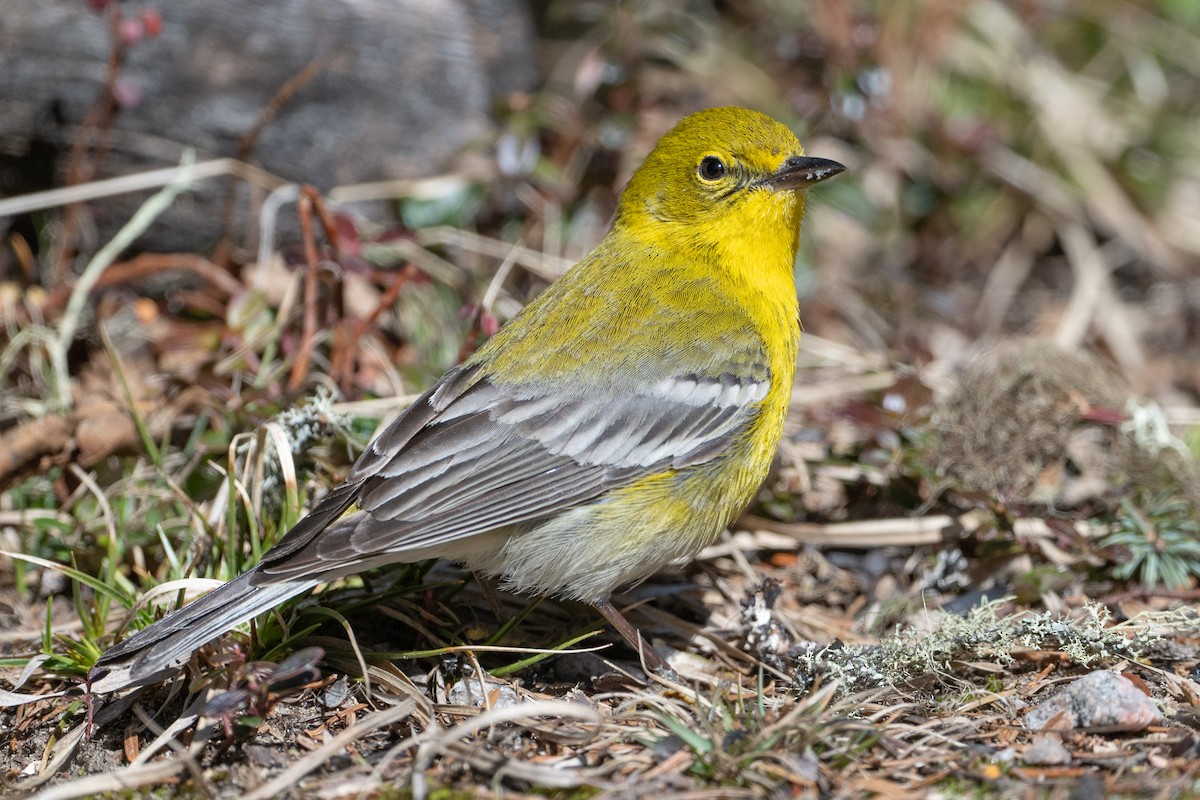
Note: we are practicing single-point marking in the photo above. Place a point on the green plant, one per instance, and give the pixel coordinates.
(753, 741)
(1162, 539)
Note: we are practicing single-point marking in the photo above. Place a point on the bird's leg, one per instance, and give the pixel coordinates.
(488, 587)
(651, 657)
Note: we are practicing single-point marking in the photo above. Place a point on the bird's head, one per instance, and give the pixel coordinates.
(718, 175)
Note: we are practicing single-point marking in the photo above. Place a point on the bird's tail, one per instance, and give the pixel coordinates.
(158, 650)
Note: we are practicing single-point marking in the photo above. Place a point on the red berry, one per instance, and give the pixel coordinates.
(489, 324)
(152, 21)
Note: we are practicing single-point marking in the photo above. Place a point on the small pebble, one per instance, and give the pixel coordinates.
(469, 692)
(1046, 750)
(266, 757)
(337, 693)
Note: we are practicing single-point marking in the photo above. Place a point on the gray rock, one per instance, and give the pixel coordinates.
(1046, 750)
(1100, 702)
(403, 87)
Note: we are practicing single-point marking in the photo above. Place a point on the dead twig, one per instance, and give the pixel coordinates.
(903, 532)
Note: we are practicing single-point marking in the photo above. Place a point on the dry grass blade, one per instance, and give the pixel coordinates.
(187, 757)
(283, 460)
(123, 780)
(80, 293)
(905, 532)
(168, 736)
(137, 182)
(27, 516)
(1094, 302)
(60, 754)
(819, 350)
(423, 188)
(1010, 271)
(143, 773)
(171, 589)
(544, 266)
(292, 775)
(440, 741)
(101, 498)
(846, 387)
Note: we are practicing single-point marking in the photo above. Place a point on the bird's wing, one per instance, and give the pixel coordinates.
(469, 456)
(476, 455)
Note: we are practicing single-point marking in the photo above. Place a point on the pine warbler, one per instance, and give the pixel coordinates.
(616, 425)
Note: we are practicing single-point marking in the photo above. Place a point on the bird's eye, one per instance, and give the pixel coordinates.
(712, 168)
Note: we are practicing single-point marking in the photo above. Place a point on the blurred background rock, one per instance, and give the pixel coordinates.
(331, 92)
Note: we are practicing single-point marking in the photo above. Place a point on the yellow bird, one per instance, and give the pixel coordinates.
(616, 425)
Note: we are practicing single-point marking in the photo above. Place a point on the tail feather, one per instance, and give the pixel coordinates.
(160, 649)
